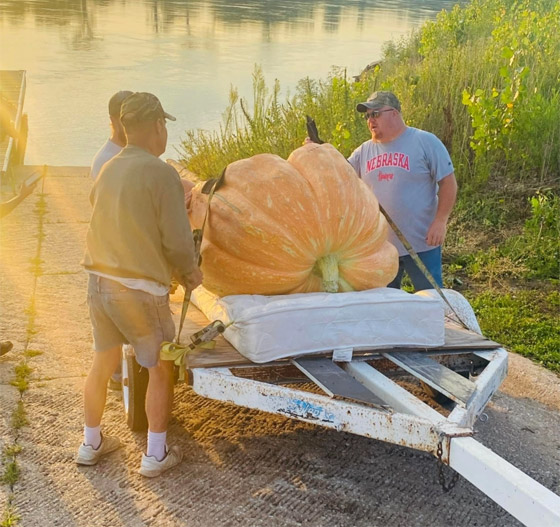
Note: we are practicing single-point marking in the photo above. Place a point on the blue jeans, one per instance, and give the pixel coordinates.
(431, 259)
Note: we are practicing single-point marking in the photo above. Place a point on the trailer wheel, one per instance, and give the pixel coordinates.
(135, 384)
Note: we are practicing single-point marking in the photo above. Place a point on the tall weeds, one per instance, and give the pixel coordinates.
(484, 77)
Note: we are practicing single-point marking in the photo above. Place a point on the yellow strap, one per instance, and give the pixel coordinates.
(176, 353)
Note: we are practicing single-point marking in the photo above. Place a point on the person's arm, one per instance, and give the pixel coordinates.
(176, 235)
(447, 195)
(10, 205)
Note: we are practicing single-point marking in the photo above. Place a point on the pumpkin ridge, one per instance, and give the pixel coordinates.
(282, 232)
(321, 164)
(253, 277)
(288, 234)
(213, 246)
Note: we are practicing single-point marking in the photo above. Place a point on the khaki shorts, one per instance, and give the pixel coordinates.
(120, 315)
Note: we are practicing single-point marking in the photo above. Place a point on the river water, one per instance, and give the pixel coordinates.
(77, 53)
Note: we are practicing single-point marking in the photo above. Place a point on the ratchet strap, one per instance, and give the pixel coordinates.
(419, 263)
(208, 188)
(201, 340)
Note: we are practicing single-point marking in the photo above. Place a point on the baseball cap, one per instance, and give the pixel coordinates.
(379, 99)
(141, 107)
(116, 101)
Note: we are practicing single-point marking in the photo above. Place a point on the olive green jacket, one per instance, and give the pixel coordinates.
(139, 226)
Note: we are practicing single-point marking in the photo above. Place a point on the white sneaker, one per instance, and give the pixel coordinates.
(151, 467)
(87, 455)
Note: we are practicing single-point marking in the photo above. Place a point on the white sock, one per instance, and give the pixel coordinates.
(156, 444)
(92, 436)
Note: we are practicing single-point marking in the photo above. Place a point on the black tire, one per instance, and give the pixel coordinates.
(135, 384)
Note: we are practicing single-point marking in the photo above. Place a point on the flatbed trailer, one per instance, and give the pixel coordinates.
(368, 394)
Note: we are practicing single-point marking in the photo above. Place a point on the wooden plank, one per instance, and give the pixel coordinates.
(336, 382)
(442, 379)
(396, 396)
(460, 338)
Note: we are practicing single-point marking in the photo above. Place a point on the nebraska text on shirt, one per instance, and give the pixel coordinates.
(395, 159)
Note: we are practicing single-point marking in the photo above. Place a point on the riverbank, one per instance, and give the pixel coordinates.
(241, 467)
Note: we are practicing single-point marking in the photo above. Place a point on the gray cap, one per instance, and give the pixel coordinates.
(379, 99)
(116, 101)
(141, 107)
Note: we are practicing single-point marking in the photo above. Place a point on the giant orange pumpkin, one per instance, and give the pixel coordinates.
(301, 225)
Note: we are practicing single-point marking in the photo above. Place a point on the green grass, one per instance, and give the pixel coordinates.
(21, 379)
(9, 517)
(526, 322)
(30, 353)
(11, 469)
(19, 417)
(11, 473)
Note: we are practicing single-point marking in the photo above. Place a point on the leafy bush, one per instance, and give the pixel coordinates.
(533, 252)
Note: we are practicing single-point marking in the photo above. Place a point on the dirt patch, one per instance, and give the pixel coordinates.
(527, 379)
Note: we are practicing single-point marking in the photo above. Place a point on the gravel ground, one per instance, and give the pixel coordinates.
(241, 467)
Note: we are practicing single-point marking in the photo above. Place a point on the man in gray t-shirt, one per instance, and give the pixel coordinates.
(411, 174)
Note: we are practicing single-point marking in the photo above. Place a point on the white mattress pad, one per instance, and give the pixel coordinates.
(267, 328)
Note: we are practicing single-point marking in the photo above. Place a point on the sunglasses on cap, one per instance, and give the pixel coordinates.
(374, 114)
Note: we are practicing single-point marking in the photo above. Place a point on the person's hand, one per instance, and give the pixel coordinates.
(307, 141)
(194, 279)
(436, 233)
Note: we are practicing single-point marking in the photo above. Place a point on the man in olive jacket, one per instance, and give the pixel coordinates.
(139, 236)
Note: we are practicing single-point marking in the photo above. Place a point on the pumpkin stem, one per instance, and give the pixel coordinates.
(328, 266)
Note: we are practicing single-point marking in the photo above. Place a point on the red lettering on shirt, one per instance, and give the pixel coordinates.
(391, 159)
(384, 177)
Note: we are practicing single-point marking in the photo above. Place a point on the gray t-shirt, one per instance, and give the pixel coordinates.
(105, 153)
(403, 175)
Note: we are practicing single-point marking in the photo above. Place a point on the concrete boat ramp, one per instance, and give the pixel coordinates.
(242, 467)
